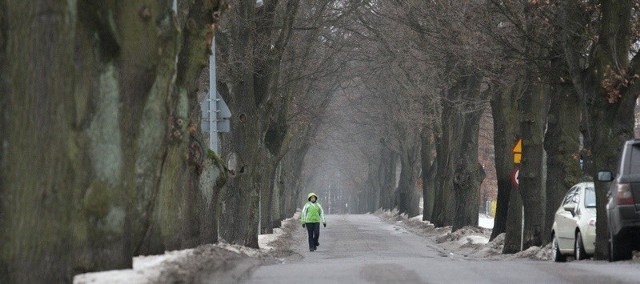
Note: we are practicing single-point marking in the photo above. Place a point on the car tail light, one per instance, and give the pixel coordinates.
(624, 195)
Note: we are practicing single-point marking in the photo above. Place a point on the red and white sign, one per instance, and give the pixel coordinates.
(514, 177)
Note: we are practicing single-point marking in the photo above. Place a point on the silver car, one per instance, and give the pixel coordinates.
(574, 225)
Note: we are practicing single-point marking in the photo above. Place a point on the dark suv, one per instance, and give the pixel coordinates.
(623, 209)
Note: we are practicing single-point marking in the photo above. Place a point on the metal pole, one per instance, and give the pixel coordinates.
(213, 99)
(522, 231)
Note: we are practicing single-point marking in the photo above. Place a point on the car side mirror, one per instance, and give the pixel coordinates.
(571, 207)
(605, 176)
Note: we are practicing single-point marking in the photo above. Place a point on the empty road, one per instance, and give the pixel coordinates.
(365, 249)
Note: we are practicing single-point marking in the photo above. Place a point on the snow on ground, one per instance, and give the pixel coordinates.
(217, 263)
(265, 240)
(145, 269)
(201, 264)
(466, 242)
(485, 221)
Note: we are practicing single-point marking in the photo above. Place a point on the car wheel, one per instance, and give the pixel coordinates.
(555, 250)
(579, 251)
(619, 248)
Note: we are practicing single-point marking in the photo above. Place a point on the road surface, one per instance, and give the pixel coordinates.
(364, 249)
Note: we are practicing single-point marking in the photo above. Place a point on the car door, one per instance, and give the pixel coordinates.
(566, 221)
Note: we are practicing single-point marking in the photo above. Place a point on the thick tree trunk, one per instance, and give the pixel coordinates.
(469, 174)
(372, 184)
(513, 230)
(387, 178)
(103, 104)
(37, 170)
(241, 147)
(448, 142)
(276, 206)
(504, 110)
(266, 196)
(426, 153)
(562, 145)
(532, 123)
(407, 200)
(508, 219)
(240, 215)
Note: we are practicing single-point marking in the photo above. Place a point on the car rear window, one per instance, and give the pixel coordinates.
(634, 168)
(590, 197)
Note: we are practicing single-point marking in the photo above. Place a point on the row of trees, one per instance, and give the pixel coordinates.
(554, 73)
(101, 156)
(101, 153)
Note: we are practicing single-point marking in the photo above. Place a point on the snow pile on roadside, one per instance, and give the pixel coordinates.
(202, 264)
(467, 242)
(265, 240)
(215, 263)
(466, 235)
(534, 252)
(279, 243)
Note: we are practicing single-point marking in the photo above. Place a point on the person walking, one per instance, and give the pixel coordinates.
(310, 218)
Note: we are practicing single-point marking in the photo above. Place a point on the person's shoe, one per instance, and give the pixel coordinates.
(317, 244)
(312, 249)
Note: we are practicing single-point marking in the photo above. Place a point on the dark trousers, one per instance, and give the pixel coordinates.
(314, 233)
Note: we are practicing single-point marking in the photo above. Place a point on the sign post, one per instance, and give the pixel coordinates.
(517, 158)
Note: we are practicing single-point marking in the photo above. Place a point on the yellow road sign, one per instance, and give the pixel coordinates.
(517, 151)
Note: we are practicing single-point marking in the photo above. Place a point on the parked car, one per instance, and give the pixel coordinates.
(574, 225)
(623, 208)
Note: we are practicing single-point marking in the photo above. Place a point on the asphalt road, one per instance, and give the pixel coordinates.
(364, 249)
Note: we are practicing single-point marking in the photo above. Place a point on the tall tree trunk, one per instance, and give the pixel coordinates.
(428, 170)
(504, 110)
(104, 104)
(448, 142)
(266, 196)
(562, 145)
(240, 215)
(407, 198)
(240, 198)
(278, 188)
(469, 174)
(37, 170)
(513, 230)
(388, 163)
(532, 122)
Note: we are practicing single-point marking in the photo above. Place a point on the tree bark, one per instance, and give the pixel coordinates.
(469, 174)
(448, 145)
(513, 232)
(504, 109)
(97, 82)
(428, 171)
(532, 123)
(387, 181)
(562, 145)
(406, 200)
